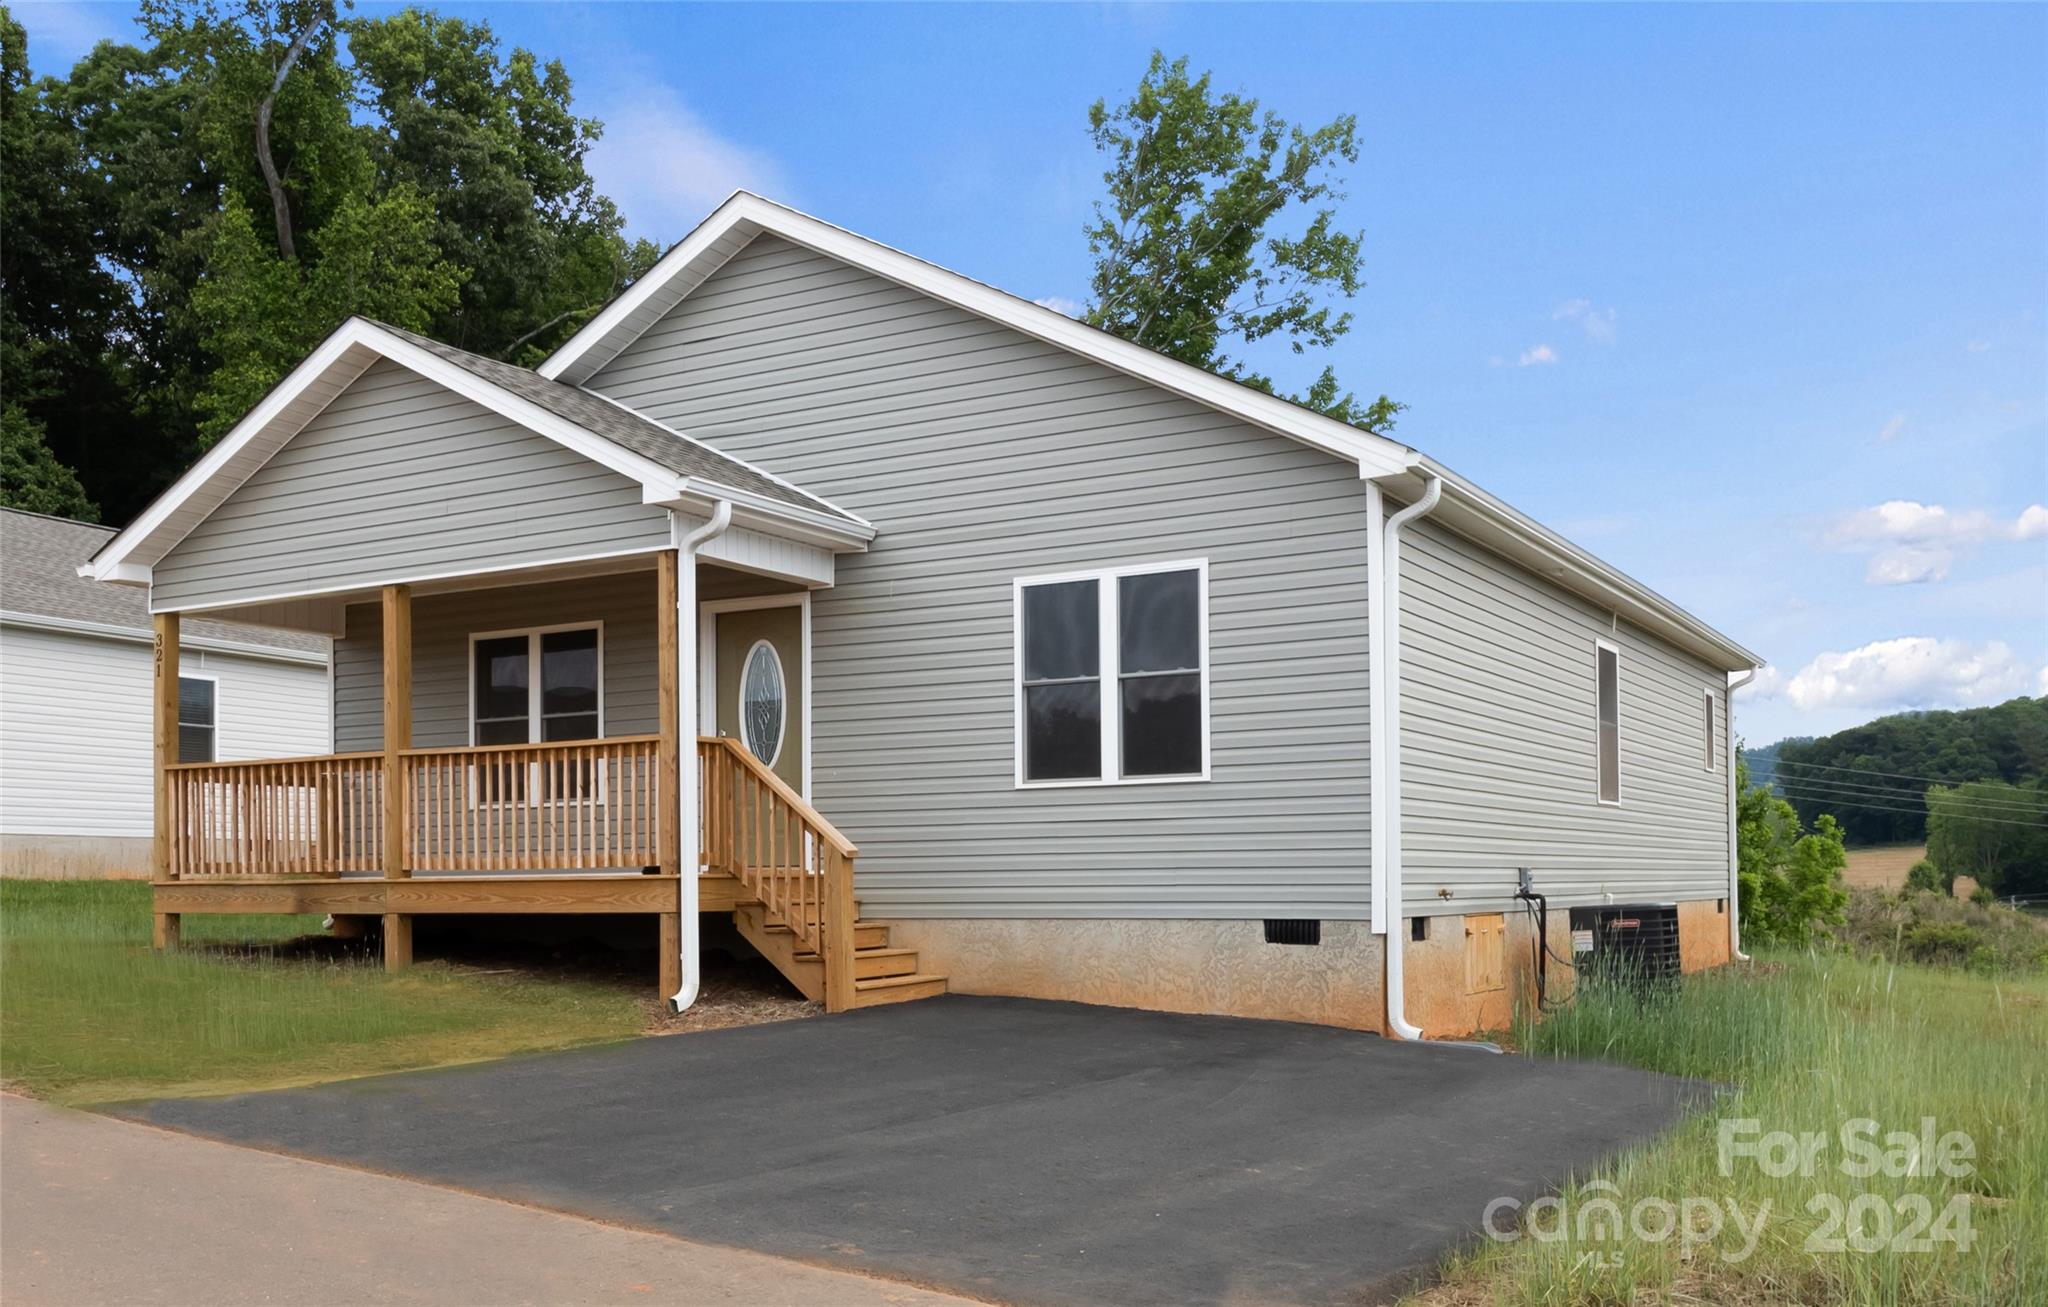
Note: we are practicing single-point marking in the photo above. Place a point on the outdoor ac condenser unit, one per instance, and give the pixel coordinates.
(1634, 944)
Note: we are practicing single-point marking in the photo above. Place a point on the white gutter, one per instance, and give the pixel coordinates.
(1734, 858)
(688, 832)
(1389, 872)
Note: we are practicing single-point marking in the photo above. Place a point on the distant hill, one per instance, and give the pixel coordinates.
(1874, 777)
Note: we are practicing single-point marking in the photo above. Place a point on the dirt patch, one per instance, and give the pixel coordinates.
(734, 992)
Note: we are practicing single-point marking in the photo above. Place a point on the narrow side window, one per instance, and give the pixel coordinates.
(1707, 724)
(198, 720)
(1607, 720)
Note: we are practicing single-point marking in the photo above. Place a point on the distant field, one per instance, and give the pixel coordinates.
(1881, 868)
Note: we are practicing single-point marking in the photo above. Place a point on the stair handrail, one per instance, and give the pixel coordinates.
(753, 822)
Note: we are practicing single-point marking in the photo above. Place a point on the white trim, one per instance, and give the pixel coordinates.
(534, 729)
(357, 592)
(1109, 672)
(707, 661)
(1376, 700)
(214, 679)
(1609, 646)
(604, 336)
(129, 634)
(740, 705)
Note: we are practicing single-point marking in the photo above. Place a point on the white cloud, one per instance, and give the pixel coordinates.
(2041, 682)
(1918, 542)
(1893, 428)
(1598, 324)
(1766, 684)
(1538, 354)
(667, 168)
(1910, 672)
(1908, 565)
(1978, 346)
(1061, 304)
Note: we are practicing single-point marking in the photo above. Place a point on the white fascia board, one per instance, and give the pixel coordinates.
(339, 356)
(134, 635)
(604, 336)
(697, 497)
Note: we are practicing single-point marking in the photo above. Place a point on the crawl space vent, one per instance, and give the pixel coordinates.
(1291, 931)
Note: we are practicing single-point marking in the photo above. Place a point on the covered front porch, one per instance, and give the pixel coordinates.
(583, 824)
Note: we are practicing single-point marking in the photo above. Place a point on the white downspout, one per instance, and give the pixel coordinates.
(1389, 617)
(1734, 859)
(687, 830)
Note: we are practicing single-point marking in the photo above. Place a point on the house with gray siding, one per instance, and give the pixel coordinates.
(75, 674)
(942, 642)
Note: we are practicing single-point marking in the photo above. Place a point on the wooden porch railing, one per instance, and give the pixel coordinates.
(278, 817)
(763, 833)
(572, 805)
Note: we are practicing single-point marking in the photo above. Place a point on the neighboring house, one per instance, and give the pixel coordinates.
(75, 672)
(1104, 670)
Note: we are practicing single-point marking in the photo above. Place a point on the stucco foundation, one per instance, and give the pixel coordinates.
(1222, 968)
(75, 857)
(1225, 968)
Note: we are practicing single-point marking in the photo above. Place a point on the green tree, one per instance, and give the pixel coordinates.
(1926, 875)
(1790, 878)
(30, 475)
(1197, 251)
(59, 308)
(1993, 832)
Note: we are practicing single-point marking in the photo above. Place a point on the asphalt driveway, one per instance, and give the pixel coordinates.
(1022, 1151)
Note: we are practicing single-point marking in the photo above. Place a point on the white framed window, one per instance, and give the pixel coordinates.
(534, 686)
(1607, 720)
(198, 719)
(1112, 675)
(1707, 725)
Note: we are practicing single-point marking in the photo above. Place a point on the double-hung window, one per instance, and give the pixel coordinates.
(1607, 720)
(532, 687)
(1112, 676)
(198, 719)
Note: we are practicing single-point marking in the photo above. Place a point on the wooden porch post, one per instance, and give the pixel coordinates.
(397, 736)
(668, 762)
(164, 712)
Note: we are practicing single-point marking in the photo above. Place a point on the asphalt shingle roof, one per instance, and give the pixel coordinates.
(623, 427)
(39, 558)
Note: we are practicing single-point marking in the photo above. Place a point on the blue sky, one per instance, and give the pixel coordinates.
(1751, 301)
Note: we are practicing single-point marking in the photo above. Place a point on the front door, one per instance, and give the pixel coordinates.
(758, 671)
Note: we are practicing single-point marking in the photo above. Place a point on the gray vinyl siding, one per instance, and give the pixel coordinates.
(1498, 749)
(399, 479)
(983, 456)
(441, 627)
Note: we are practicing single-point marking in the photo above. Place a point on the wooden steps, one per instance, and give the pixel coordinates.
(882, 974)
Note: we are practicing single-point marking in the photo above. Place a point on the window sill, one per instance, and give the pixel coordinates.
(1108, 782)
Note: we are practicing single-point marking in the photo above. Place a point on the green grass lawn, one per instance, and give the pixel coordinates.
(88, 1013)
(1807, 1042)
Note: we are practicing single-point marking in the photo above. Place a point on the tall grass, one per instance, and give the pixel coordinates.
(1809, 1042)
(88, 1013)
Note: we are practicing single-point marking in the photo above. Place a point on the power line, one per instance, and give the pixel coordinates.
(1869, 771)
(1889, 792)
(1838, 801)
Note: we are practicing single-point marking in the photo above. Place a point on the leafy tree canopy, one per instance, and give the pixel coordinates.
(1992, 831)
(1873, 777)
(1789, 878)
(1220, 230)
(186, 216)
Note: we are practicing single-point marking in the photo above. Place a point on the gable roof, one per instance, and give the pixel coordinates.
(40, 586)
(1466, 507)
(670, 467)
(746, 215)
